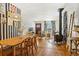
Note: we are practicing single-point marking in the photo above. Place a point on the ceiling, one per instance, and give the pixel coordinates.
(37, 10)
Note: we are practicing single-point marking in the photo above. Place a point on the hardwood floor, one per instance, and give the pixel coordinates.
(49, 48)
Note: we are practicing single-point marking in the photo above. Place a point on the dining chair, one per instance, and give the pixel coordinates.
(30, 45)
(34, 45)
(6, 50)
(18, 49)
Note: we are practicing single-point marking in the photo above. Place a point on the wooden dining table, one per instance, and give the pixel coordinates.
(12, 42)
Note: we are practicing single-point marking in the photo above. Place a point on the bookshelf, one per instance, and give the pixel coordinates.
(9, 13)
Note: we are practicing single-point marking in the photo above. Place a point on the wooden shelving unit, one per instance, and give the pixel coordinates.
(9, 13)
(75, 40)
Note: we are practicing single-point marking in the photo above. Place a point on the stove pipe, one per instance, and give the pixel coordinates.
(60, 20)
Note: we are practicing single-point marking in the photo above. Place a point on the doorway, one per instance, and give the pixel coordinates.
(38, 28)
